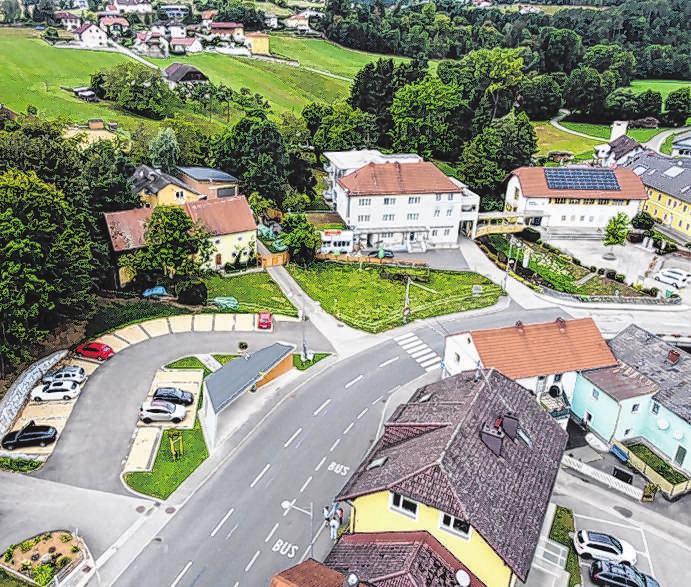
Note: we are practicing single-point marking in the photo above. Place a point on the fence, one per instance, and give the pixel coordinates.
(602, 477)
(274, 259)
(368, 259)
(642, 300)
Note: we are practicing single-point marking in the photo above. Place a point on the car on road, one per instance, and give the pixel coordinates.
(174, 396)
(55, 390)
(675, 277)
(161, 411)
(387, 254)
(30, 435)
(614, 575)
(264, 320)
(598, 545)
(95, 350)
(68, 373)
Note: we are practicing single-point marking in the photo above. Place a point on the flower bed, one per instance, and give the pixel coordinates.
(657, 464)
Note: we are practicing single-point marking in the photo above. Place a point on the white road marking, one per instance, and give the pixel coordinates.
(376, 400)
(411, 343)
(223, 521)
(430, 362)
(258, 477)
(271, 533)
(181, 573)
(254, 558)
(361, 414)
(393, 389)
(432, 367)
(404, 336)
(427, 357)
(606, 521)
(416, 354)
(334, 445)
(287, 443)
(320, 408)
(305, 484)
(237, 584)
(385, 363)
(319, 466)
(647, 552)
(286, 511)
(232, 530)
(350, 427)
(353, 381)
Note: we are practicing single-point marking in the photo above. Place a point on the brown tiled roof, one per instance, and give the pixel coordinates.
(438, 458)
(398, 178)
(621, 382)
(257, 34)
(126, 228)
(623, 145)
(207, 14)
(111, 20)
(529, 350)
(309, 573)
(225, 26)
(534, 185)
(397, 559)
(222, 215)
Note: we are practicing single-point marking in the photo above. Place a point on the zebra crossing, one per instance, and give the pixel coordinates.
(418, 350)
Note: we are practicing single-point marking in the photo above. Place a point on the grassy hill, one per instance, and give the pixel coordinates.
(550, 138)
(660, 85)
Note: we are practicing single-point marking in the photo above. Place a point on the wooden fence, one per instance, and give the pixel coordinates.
(273, 259)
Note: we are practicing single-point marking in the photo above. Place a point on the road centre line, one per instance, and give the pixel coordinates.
(258, 477)
(334, 445)
(271, 533)
(287, 443)
(350, 427)
(223, 521)
(353, 381)
(181, 573)
(320, 408)
(254, 558)
(305, 484)
(385, 363)
(361, 414)
(393, 389)
(376, 400)
(319, 466)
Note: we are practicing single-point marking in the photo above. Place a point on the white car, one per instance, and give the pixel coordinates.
(601, 546)
(162, 411)
(64, 390)
(675, 277)
(68, 373)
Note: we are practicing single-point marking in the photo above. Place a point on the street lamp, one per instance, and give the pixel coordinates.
(288, 505)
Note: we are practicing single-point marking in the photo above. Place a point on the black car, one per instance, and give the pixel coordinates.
(614, 575)
(174, 395)
(387, 254)
(31, 435)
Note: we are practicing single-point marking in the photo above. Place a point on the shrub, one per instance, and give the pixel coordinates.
(638, 287)
(576, 261)
(62, 562)
(501, 265)
(502, 258)
(26, 565)
(601, 271)
(10, 552)
(654, 291)
(192, 293)
(242, 346)
(75, 548)
(688, 245)
(593, 269)
(530, 234)
(47, 536)
(65, 537)
(43, 574)
(619, 277)
(610, 273)
(538, 241)
(26, 545)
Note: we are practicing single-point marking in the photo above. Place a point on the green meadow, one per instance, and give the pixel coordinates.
(659, 85)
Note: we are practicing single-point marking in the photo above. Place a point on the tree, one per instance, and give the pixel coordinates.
(302, 239)
(194, 143)
(44, 11)
(479, 169)
(174, 245)
(518, 140)
(584, 91)
(561, 49)
(300, 176)
(294, 130)
(345, 129)
(678, 106)
(614, 58)
(540, 97)
(621, 104)
(649, 104)
(164, 151)
(617, 230)
(10, 10)
(643, 221)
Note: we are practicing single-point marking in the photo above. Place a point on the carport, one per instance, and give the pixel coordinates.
(233, 379)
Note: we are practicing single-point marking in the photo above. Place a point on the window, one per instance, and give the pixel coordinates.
(239, 237)
(389, 201)
(634, 408)
(435, 232)
(364, 201)
(574, 201)
(560, 200)
(179, 195)
(557, 378)
(449, 212)
(603, 202)
(659, 197)
(414, 216)
(454, 525)
(436, 212)
(655, 408)
(669, 201)
(414, 200)
(450, 198)
(684, 208)
(437, 197)
(403, 505)
(563, 218)
(582, 218)
(447, 231)
(457, 357)
(627, 431)
(679, 224)
(364, 218)
(589, 201)
(595, 393)
(388, 217)
(217, 241)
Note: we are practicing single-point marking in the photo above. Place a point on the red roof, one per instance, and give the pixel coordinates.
(225, 26)
(126, 228)
(187, 41)
(207, 14)
(534, 185)
(529, 350)
(82, 28)
(222, 215)
(65, 16)
(257, 35)
(111, 20)
(375, 179)
(309, 573)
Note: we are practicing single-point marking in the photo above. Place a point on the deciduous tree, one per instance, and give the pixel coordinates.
(302, 239)
(164, 151)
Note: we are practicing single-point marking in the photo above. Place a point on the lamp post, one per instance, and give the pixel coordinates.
(288, 505)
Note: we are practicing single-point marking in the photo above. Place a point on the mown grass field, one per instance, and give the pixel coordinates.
(550, 138)
(642, 135)
(254, 291)
(658, 85)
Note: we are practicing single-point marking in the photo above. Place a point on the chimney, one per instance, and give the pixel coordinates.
(509, 424)
(561, 323)
(519, 326)
(492, 437)
(673, 356)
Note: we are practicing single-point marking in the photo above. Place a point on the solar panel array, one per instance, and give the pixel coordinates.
(561, 178)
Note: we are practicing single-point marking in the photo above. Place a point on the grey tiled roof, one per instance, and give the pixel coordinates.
(648, 354)
(621, 382)
(654, 171)
(623, 145)
(207, 174)
(435, 456)
(154, 180)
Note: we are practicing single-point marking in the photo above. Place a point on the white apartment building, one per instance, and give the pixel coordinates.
(405, 206)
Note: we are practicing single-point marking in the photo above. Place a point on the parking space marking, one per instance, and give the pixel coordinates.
(181, 573)
(223, 521)
(647, 553)
(305, 484)
(258, 477)
(606, 521)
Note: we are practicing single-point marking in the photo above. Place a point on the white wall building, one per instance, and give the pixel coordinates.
(573, 196)
(617, 152)
(405, 206)
(91, 36)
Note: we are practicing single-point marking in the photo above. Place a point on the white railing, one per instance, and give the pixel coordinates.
(602, 477)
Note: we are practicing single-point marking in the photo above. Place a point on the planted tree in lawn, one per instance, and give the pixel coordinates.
(643, 221)
(301, 238)
(617, 230)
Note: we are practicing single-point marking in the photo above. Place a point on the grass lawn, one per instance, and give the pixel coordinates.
(553, 139)
(223, 359)
(658, 85)
(121, 313)
(167, 474)
(561, 526)
(363, 300)
(657, 464)
(298, 364)
(254, 291)
(189, 363)
(596, 130)
(7, 580)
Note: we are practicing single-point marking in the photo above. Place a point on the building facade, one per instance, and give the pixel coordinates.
(258, 43)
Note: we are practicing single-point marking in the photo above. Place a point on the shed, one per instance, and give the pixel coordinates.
(96, 124)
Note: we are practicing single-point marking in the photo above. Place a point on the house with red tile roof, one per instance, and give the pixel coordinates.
(90, 35)
(309, 573)
(409, 206)
(113, 24)
(69, 21)
(229, 31)
(545, 358)
(471, 460)
(574, 195)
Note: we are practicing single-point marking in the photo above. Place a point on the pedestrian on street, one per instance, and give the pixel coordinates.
(326, 513)
(333, 525)
(339, 513)
(334, 508)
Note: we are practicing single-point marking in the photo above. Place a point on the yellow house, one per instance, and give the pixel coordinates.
(258, 43)
(667, 182)
(456, 461)
(156, 187)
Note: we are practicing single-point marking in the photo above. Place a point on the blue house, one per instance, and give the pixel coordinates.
(646, 396)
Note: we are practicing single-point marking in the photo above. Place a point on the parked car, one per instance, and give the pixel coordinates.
(675, 277)
(614, 575)
(55, 390)
(174, 396)
(264, 320)
(601, 546)
(95, 350)
(30, 435)
(161, 411)
(387, 254)
(68, 373)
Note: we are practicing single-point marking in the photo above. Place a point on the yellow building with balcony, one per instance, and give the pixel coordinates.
(158, 188)
(472, 460)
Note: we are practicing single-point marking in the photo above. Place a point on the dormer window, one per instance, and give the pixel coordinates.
(403, 505)
(454, 525)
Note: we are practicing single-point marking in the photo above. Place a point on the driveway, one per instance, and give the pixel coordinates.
(449, 259)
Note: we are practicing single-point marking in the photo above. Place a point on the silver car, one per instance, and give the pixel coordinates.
(161, 411)
(64, 390)
(68, 373)
(675, 277)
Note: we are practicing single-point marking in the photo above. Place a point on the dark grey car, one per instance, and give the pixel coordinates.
(174, 395)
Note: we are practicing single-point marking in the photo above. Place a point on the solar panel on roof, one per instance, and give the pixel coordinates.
(560, 178)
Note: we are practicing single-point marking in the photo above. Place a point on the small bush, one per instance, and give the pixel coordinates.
(192, 293)
(62, 562)
(501, 265)
(610, 273)
(26, 565)
(502, 258)
(601, 271)
(43, 574)
(638, 287)
(654, 291)
(242, 346)
(530, 234)
(619, 277)
(10, 552)
(47, 536)
(65, 537)
(538, 241)
(26, 545)
(576, 261)
(688, 245)
(593, 269)
(75, 548)
(37, 539)
(51, 549)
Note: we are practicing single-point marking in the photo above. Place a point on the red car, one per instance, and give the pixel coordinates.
(95, 350)
(264, 320)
